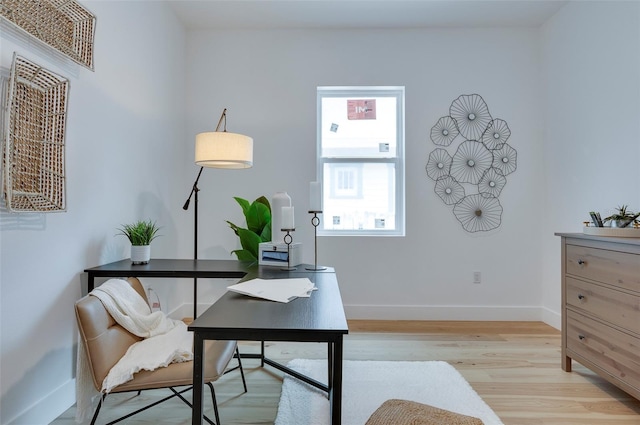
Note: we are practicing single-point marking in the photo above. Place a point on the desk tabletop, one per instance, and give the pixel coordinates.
(158, 267)
(236, 316)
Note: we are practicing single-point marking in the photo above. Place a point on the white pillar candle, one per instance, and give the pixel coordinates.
(287, 218)
(315, 197)
(279, 200)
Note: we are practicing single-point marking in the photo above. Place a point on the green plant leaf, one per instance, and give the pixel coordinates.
(265, 202)
(244, 255)
(622, 214)
(266, 232)
(249, 241)
(244, 204)
(233, 227)
(258, 216)
(140, 233)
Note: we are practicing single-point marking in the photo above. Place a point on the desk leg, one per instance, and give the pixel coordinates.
(195, 298)
(335, 392)
(198, 378)
(90, 282)
(330, 367)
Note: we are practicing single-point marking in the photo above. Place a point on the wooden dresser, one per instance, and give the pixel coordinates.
(601, 307)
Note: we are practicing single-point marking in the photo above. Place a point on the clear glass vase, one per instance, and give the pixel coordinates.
(154, 300)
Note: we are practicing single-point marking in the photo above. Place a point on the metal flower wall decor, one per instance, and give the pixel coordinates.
(472, 173)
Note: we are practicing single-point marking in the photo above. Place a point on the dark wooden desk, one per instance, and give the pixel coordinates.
(319, 318)
(216, 269)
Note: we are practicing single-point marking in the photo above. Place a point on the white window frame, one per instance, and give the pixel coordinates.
(398, 160)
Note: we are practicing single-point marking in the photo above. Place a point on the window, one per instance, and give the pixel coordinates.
(361, 160)
(348, 181)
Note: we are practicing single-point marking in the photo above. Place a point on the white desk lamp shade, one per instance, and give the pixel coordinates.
(220, 149)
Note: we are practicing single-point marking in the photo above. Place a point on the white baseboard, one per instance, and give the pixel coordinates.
(427, 312)
(445, 312)
(552, 318)
(50, 407)
(186, 310)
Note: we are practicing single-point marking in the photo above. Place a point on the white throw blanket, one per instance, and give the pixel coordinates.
(167, 341)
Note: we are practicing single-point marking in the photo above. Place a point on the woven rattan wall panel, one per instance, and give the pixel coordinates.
(34, 146)
(64, 25)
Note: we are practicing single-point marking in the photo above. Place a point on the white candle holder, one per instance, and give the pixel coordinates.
(288, 239)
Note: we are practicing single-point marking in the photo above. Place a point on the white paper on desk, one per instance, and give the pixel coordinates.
(280, 290)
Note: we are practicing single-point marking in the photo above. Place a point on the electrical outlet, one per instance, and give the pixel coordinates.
(477, 277)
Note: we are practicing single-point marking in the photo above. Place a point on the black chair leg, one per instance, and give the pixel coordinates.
(95, 415)
(215, 403)
(188, 403)
(244, 382)
(175, 394)
(149, 406)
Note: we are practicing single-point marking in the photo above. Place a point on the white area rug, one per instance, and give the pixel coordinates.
(367, 384)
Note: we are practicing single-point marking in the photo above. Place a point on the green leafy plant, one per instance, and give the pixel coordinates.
(258, 217)
(623, 216)
(141, 232)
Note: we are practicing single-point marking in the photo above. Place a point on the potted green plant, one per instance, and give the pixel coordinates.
(622, 218)
(140, 234)
(258, 217)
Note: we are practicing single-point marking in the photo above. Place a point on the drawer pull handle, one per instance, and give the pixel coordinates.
(581, 262)
(581, 297)
(581, 337)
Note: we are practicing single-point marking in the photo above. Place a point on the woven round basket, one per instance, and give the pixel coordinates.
(405, 412)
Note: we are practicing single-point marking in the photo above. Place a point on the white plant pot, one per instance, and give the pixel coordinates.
(140, 254)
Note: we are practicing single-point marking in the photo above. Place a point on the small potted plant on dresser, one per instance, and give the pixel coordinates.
(622, 218)
(140, 234)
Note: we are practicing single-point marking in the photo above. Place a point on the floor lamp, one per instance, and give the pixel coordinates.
(216, 149)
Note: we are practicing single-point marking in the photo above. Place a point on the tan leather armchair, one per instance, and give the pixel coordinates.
(105, 342)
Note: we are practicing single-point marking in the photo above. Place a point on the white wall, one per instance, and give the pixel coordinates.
(591, 106)
(127, 111)
(268, 81)
(569, 91)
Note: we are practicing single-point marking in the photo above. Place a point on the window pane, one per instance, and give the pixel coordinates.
(358, 127)
(359, 196)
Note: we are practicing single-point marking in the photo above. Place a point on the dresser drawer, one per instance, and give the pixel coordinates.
(614, 352)
(613, 267)
(616, 307)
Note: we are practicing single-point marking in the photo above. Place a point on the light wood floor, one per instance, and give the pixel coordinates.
(513, 366)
